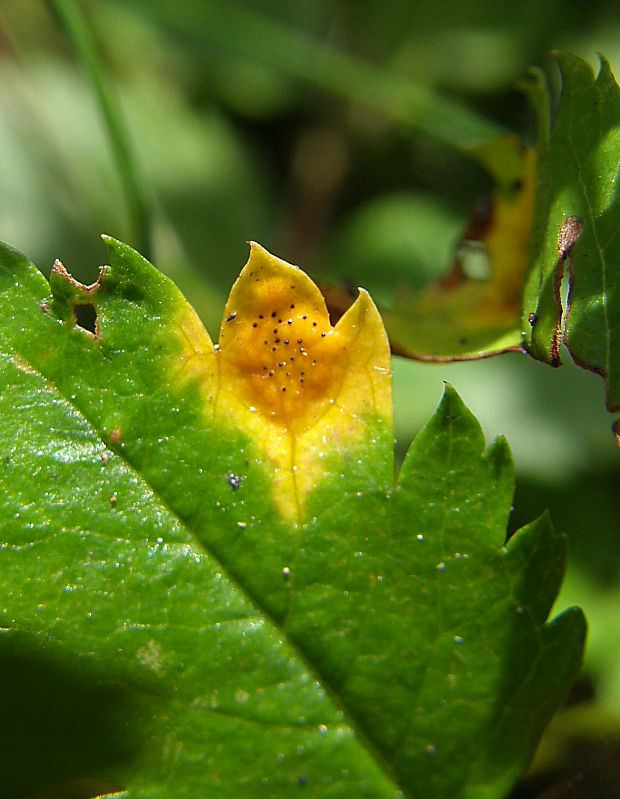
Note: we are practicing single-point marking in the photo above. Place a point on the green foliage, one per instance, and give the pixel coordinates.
(387, 645)
(326, 131)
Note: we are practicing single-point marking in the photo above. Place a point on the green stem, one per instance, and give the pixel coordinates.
(83, 41)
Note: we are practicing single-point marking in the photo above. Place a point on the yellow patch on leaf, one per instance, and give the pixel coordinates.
(297, 386)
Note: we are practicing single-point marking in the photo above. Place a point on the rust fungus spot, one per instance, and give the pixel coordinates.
(292, 417)
(115, 435)
(246, 351)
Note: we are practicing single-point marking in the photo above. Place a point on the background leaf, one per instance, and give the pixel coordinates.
(474, 310)
(576, 225)
(383, 647)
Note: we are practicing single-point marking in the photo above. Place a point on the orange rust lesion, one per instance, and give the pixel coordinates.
(297, 386)
(278, 349)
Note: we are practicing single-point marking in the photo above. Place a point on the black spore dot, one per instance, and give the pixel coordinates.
(273, 349)
(286, 341)
(277, 341)
(289, 321)
(299, 341)
(255, 324)
(292, 305)
(292, 357)
(231, 316)
(283, 388)
(305, 316)
(314, 324)
(273, 314)
(323, 335)
(260, 316)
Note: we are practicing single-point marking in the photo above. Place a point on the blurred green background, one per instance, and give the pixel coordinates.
(333, 132)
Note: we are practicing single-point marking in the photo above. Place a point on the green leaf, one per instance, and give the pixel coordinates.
(175, 629)
(576, 222)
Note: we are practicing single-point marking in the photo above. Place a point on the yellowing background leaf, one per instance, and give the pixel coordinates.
(475, 310)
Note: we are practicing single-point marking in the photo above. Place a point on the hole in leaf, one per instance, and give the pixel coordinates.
(64, 718)
(86, 317)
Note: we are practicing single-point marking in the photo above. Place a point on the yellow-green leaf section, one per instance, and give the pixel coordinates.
(296, 385)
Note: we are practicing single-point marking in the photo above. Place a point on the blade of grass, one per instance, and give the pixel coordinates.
(75, 26)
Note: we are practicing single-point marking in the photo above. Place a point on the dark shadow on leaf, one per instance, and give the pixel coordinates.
(66, 723)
